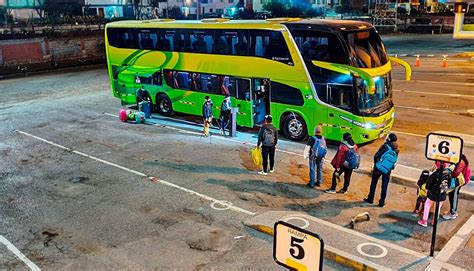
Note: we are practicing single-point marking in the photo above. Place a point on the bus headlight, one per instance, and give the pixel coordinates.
(369, 125)
(393, 114)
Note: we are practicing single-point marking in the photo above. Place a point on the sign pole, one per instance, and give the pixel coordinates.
(436, 215)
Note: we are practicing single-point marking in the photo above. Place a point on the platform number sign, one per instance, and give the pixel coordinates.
(444, 148)
(296, 248)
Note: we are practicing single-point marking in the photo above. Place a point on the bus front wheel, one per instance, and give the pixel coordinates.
(164, 105)
(294, 127)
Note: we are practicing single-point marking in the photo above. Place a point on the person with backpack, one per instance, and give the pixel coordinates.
(421, 191)
(461, 169)
(346, 159)
(436, 193)
(384, 162)
(267, 139)
(317, 152)
(207, 115)
(225, 113)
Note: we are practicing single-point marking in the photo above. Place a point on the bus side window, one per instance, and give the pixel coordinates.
(341, 96)
(282, 93)
(240, 45)
(169, 77)
(243, 89)
(156, 78)
(258, 43)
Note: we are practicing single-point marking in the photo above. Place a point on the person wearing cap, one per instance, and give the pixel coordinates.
(225, 113)
(390, 144)
(267, 139)
(207, 115)
(314, 160)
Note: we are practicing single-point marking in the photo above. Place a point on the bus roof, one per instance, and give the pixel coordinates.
(246, 24)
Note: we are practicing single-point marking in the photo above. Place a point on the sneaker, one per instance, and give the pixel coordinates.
(422, 223)
(381, 205)
(318, 185)
(262, 173)
(271, 170)
(330, 191)
(369, 201)
(309, 184)
(449, 216)
(342, 191)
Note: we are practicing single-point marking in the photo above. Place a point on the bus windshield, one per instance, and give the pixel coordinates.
(380, 101)
(366, 48)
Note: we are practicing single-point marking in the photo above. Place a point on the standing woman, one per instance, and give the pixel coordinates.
(464, 169)
(340, 167)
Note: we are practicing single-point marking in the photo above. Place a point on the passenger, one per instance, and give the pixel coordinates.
(317, 152)
(341, 165)
(461, 169)
(199, 45)
(241, 47)
(421, 191)
(436, 193)
(142, 95)
(225, 113)
(267, 139)
(384, 162)
(207, 115)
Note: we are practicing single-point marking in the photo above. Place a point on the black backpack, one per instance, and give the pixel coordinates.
(268, 138)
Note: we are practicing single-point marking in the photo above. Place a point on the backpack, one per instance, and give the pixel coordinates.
(352, 159)
(268, 139)
(387, 160)
(319, 148)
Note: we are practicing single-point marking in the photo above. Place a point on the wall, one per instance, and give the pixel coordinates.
(35, 52)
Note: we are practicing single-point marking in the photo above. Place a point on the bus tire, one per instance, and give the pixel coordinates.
(294, 127)
(163, 105)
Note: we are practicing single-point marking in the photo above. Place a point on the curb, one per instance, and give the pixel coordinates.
(330, 253)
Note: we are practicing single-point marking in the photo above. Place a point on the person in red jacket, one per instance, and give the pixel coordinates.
(461, 168)
(338, 164)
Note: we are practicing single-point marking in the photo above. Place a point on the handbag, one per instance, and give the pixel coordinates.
(257, 156)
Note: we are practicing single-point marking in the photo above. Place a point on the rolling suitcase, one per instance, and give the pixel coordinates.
(145, 107)
(139, 117)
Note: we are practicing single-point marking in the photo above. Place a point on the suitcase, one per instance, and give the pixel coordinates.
(123, 116)
(139, 117)
(145, 107)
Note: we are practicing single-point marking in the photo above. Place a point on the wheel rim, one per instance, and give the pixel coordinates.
(295, 127)
(164, 106)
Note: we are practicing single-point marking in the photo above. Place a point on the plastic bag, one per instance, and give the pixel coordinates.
(257, 156)
(306, 152)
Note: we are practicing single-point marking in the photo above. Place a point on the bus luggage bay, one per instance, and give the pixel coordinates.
(303, 72)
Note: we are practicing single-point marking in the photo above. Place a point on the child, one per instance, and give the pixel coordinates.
(421, 191)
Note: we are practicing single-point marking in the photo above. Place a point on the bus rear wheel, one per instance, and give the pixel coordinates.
(294, 127)
(164, 105)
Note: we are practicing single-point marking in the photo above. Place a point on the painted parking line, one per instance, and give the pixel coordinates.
(467, 139)
(18, 253)
(436, 82)
(423, 109)
(154, 179)
(435, 93)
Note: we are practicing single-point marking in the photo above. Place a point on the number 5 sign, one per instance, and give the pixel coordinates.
(444, 148)
(296, 248)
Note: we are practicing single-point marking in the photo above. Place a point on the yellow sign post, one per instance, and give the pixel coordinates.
(296, 248)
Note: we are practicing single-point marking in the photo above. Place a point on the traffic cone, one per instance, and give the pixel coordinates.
(418, 62)
(444, 64)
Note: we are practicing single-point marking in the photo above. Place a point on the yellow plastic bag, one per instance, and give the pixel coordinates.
(257, 156)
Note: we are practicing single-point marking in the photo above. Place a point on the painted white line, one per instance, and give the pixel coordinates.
(237, 209)
(410, 134)
(437, 73)
(306, 222)
(18, 253)
(381, 255)
(463, 136)
(436, 82)
(435, 93)
(423, 109)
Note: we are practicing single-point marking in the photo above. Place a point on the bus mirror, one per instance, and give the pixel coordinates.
(404, 64)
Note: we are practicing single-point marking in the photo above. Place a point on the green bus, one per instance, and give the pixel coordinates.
(303, 72)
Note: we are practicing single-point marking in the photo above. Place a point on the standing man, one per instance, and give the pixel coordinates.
(225, 113)
(207, 115)
(267, 138)
(344, 162)
(317, 152)
(384, 162)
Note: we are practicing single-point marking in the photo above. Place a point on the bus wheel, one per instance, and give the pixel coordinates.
(294, 127)
(164, 105)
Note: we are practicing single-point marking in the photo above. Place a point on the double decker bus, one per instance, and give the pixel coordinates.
(303, 72)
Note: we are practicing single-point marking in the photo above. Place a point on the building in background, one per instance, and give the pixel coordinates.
(109, 9)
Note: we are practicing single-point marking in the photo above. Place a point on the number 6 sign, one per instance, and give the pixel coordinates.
(444, 148)
(296, 248)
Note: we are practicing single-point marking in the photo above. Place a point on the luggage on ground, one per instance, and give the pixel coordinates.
(145, 107)
(139, 117)
(123, 115)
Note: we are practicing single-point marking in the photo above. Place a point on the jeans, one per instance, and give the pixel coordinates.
(318, 163)
(453, 200)
(268, 152)
(224, 123)
(347, 178)
(373, 185)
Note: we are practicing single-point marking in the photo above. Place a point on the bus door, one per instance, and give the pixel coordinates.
(243, 100)
(339, 121)
(261, 103)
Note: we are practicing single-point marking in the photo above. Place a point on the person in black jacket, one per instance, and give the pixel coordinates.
(267, 139)
(390, 142)
(436, 193)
